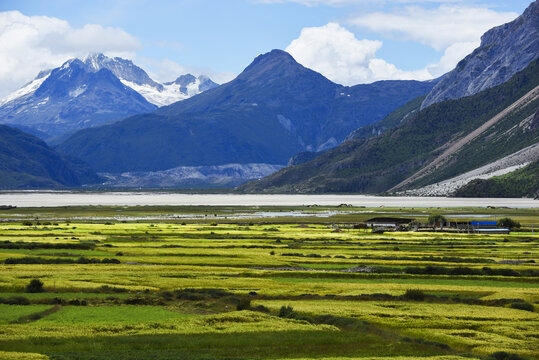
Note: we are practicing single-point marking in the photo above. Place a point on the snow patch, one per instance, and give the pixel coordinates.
(26, 89)
(43, 102)
(168, 95)
(77, 91)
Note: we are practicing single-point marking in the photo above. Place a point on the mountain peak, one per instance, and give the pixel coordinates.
(275, 56)
(95, 61)
(276, 62)
(184, 80)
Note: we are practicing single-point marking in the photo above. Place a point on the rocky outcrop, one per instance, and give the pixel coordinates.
(504, 51)
(228, 175)
(502, 166)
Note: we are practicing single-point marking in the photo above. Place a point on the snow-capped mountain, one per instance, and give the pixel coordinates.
(137, 79)
(69, 98)
(91, 91)
(167, 93)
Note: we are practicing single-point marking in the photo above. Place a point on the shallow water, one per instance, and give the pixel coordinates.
(59, 198)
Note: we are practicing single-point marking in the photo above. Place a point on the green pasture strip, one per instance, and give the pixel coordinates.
(237, 335)
(64, 295)
(110, 314)
(11, 313)
(57, 252)
(413, 281)
(473, 328)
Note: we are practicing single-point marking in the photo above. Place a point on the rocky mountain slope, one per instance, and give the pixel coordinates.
(27, 162)
(92, 91)
(381, 163)
(219, 176)
(523, 182)
(274, 109)
(504, 51)
(499, 167)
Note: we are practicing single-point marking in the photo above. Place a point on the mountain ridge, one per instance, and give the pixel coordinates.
(379, 163)
(88, 92)
(273, 110)
(504, 51)
(27, 162)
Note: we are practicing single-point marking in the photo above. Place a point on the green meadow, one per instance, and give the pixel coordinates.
(197, 282)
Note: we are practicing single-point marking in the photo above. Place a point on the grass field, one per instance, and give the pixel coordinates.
(234, 283)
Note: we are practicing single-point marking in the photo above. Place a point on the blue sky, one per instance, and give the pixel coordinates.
(350, 41)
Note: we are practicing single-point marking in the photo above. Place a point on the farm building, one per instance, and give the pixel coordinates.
(487, 227)
(387, 222)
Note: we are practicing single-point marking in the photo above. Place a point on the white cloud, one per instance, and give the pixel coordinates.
(349, 2)
(438, 28)
(452, 55)
(336, 53)
(29, 44)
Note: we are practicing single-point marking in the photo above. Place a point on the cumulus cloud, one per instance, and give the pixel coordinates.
(438, 28)
(29, 44)
(335, 52)
(348, 2)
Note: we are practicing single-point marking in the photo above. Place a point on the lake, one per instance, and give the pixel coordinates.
(64, 198)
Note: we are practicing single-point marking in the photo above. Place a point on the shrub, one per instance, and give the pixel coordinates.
(414, 294)
(112, 289)
(340, 322)
(244, 304)
(167, 295)
(435, 219)
(502, 355)
(35, 286)
(508, 223)
(200, 294)
(287, 312)
(15, 300)
(522, 306)
(261, 308)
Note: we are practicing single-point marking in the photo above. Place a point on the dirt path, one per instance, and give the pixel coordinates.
(36, 316)
(446, 155)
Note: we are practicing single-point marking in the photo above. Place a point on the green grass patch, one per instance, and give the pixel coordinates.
(110, 314)
(11, 313)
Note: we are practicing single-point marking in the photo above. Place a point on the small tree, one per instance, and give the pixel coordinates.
(435, 219)
(414, 225)
(508, 223)
(244, 304)
(35, 286)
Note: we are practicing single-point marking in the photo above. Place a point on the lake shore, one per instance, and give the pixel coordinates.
(143, 198)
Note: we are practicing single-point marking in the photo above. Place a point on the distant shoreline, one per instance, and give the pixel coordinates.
(176, 198)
